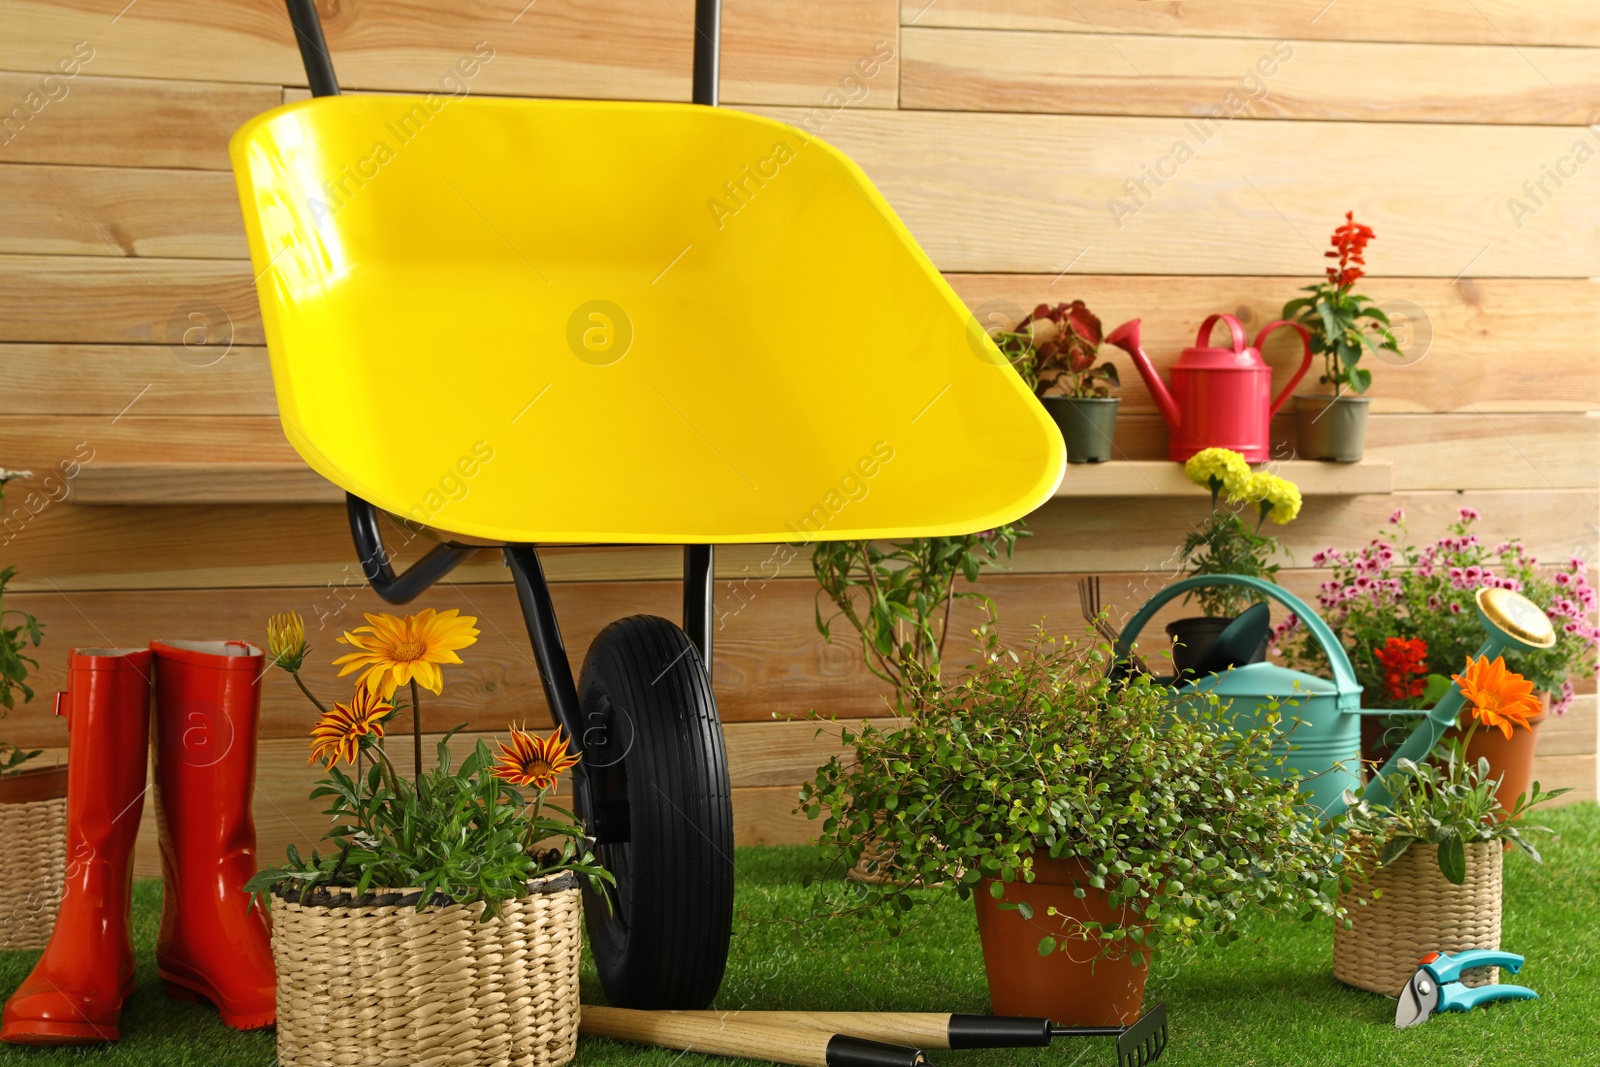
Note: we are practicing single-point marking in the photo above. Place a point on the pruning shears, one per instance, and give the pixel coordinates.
(1437, 985)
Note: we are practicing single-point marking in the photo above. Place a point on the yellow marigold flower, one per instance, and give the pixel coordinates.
(1499, 697)
(337, 736)
(533, 760)
(1223, 466)
(286, 640)
(1282, 494)
(394, 651)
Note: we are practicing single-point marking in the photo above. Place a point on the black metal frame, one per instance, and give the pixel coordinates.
(533, 592)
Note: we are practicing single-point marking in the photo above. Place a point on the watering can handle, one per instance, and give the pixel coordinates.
(1203, 338)
(1344, 677)
(1305, 364)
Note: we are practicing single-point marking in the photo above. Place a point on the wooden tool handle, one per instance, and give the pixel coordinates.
(715, 1033)
(916, 1028)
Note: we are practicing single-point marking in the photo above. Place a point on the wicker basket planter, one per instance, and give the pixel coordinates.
(1418, 912)
(371, 982)
(33, 838)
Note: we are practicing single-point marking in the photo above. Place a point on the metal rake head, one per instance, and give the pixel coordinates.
(1144, 1041)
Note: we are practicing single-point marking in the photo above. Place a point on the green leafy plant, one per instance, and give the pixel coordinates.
(1225, 543)
(1450, 801)
(1450, 805)
(19, 631)
(464, 834)
(1176, 814)
(1055, 348)
(897, 596)
(458, 832)
(1343, 323)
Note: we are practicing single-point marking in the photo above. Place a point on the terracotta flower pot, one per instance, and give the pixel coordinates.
(1510, 759)
(1074, 985)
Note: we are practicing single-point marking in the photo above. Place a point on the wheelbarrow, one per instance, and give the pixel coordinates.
(514, 323)
(1320, 726)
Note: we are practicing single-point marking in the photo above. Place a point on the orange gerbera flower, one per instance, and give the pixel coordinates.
(394, 651)
(1498, 697)
(533, 760)
(337, 736)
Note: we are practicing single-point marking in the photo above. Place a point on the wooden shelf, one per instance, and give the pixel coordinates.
(295, 483)
(202, 483)
(1126, 478)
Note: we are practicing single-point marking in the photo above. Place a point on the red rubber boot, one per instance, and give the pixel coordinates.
(74, 994)
(213, 945)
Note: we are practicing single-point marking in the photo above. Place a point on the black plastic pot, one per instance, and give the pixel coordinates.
(1331, 428)
(1192, 636)
(1087, 424)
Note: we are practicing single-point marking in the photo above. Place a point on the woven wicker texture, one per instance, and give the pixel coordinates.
(1418, 912)
(33, 838)
(375, 983)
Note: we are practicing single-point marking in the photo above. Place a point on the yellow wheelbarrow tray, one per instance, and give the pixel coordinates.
(559, 321)
(513, 322)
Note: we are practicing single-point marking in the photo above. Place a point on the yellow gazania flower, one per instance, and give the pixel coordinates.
(1499, 697)
(1221, 465)
(337, 736)
(286, 640)
(394, 651)
(533, 760)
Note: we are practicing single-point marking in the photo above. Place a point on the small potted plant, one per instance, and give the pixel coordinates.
(1405, 614)
(1227, 542)
(33, 806)
(441, 894)
(1054, 349)
(1424, 870)
(1342, 324)
(1095, 828)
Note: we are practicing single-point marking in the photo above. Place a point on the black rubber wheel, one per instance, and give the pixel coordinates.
(655, 794)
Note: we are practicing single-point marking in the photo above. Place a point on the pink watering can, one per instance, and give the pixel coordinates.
(1220, 397)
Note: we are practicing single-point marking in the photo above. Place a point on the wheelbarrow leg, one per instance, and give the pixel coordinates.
(555, 672)
(699, 575)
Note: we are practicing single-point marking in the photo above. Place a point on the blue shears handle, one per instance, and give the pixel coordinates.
(1447, 968)
(1453, 996)
(1462, 998)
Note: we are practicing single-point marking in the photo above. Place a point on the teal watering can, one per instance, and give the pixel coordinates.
(1321, 730)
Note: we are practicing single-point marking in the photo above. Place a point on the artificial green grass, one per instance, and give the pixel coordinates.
(1268, 999)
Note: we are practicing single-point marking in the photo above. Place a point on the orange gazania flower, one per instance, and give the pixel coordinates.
(337, 736)
(533, 760)
(394, 651)
(1498, 697)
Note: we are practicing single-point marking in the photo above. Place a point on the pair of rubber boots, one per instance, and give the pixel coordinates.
(212, 945)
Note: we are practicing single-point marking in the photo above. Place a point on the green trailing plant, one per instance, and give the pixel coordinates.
(456, 832)
(898, 596)
(19, 632)
(1343, 324)
(1055, 348)
(1177, 815)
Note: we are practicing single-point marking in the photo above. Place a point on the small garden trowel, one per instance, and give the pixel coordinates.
(1437, 985)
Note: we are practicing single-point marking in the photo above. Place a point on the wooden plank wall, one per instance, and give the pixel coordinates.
(1159, 160)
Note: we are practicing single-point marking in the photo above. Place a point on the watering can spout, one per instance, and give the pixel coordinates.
(1126, 337)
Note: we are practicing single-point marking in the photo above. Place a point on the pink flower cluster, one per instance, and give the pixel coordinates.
(1390, 578)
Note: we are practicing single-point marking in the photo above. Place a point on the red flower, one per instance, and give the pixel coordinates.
(1350, 247)
(1405, 667)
